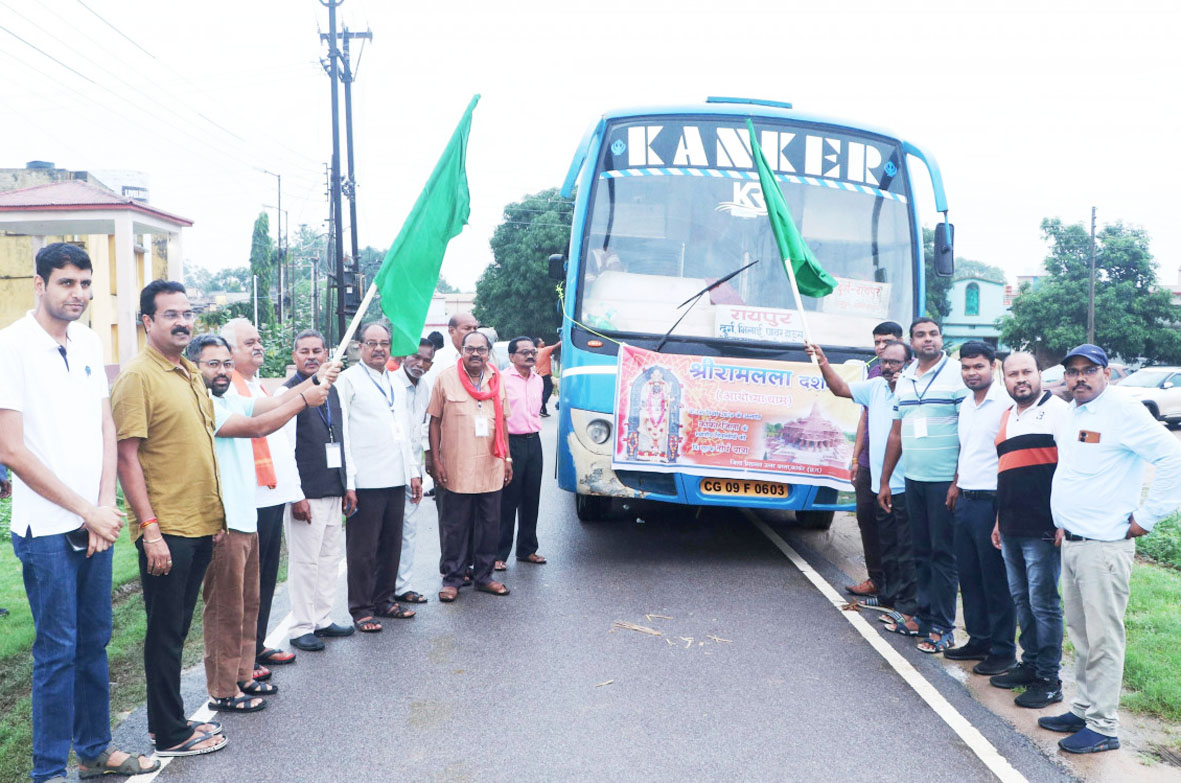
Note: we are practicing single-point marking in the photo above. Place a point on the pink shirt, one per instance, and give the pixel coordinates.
(524, 396)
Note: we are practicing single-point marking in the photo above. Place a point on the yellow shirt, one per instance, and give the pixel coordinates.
(172, 414)
(468, 459)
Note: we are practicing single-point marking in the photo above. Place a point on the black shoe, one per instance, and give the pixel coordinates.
(972, 651)
(1067, 723)
(1088, 741)
(307, 642)
(995, 664)
(1023, 674)
(1042, 693)
(334, 631)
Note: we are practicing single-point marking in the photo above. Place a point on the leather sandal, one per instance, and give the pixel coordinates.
(97, 767)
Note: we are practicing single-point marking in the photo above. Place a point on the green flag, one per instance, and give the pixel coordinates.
(410, 272)
(811, 278)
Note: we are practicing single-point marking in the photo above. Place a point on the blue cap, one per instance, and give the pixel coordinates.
(1092, 353)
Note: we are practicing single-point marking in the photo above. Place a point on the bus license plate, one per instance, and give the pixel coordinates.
(743, 488)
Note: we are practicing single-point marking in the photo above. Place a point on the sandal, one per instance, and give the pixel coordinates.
(534, 558)
(931, 646)
(396, 611)
(899, 624)
(411, 597)
(272, 657)
(258, 688)
(367, 625)
(187, 748)
(500, 565)
(97, 767)
(261, 673)
(195, 725)
(237, 704)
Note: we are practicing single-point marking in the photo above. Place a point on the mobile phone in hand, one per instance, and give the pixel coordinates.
(79, 540)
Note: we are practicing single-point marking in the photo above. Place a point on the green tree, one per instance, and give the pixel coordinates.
(262, 265)
(515, 294)
(938, 303)
(966, 267)
(443, 287)
(1133, 319)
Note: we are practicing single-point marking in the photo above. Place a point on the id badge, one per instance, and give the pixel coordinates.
(332, 455)
(396, 429)
(481, 423)
(920, 427)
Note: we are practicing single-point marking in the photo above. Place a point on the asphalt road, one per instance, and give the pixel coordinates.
(755, 676)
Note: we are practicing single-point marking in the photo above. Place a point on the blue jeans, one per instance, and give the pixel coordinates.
(1034, 566)
(989, 617)
(933, 532)
(70, 596)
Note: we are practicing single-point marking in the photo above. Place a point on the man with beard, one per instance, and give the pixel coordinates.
(1105, 441)
(57, 434)
(927, 399)
(989, 616)
(276, 484)
(524, 388)
(897, 588)
(231, 583)
(1024, 530)
(379, 467)
(314, 530)
(470, 458)
(168, 469)
(418, 396)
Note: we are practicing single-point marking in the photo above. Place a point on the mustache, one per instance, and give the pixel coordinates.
(181, 330)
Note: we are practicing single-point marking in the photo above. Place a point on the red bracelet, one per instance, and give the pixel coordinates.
(147, 522)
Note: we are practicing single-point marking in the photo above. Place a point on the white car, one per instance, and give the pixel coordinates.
(1159, 388)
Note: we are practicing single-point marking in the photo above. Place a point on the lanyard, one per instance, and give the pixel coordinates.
(927, 388)
(389, 398)
(325, 412)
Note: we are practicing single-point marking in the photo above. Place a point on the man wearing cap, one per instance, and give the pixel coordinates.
(1104, 443)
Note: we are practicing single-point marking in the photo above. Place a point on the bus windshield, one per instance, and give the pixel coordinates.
(676, 204)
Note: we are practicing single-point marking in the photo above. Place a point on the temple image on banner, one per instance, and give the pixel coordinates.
(813, 439)
(654, 416)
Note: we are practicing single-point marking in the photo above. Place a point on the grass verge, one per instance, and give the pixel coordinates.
(1151, 681)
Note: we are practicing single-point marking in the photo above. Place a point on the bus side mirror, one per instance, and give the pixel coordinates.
(557, 266)
(944, 249)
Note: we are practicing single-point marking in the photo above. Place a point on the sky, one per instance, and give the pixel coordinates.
(1033, 109)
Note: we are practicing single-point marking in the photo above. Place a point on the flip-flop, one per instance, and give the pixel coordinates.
(261, 673)
(534, 558)
(187, 748)
(272, 657)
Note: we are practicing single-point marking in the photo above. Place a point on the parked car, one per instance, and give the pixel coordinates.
(1054, 378)
(1159, 388)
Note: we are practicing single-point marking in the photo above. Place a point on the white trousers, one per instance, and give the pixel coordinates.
(409, 528)
(314, 551)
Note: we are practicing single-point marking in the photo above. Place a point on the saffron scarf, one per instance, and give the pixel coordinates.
(264, 466)
(500, 441)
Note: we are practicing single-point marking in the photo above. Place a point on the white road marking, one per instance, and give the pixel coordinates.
(971, 736)
(203, 713)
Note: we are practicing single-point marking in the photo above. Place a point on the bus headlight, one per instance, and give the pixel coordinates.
(598, 431)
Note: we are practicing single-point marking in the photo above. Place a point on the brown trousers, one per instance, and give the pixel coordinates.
(231, 613)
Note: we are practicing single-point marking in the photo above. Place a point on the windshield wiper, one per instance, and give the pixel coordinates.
(693, 300)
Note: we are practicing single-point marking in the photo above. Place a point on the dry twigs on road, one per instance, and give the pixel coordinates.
(633, 627)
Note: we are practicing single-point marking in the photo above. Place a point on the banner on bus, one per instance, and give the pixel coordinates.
(732, 418)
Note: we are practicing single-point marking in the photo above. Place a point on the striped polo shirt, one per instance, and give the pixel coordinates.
(928, 406)
(1028, 457)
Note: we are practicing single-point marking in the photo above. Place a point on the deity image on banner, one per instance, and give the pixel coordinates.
(654, 416)
(812, 439)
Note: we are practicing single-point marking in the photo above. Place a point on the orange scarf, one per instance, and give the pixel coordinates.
(500, 442)
(264, 466)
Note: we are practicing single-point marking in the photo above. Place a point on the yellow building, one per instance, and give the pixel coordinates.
(129, 242)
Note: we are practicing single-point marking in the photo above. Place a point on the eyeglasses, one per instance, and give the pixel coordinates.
(173, 315)
(526, 352)
(473, 349)
(1090, 372)
(217, 365)
(377, 344)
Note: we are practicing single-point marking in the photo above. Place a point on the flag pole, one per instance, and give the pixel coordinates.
(356, 322)
(795, 290)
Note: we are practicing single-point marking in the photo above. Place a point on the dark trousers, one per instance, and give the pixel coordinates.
(932, 530)
(270, 546)
(867, 523)
(169, 601)
(470, 531)
(373, 547)
(547, 388)
(898, 577)
(521, 496)
(70, 597)
(989, 616)
(442, 496)
(1033, 566)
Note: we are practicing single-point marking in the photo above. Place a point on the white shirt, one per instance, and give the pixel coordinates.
(377, 448)
(287, 487)
(61, 414)
(1103, 447)
(978, 427)
(414, 419)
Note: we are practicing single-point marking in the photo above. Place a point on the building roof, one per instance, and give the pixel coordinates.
(76, 195)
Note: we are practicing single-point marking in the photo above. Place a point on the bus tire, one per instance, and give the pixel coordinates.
(592, 508)
(815, 520)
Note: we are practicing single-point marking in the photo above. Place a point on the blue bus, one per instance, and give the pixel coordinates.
(667, 202)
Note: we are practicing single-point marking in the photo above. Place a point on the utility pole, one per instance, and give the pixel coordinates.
(350, 184)
(1091, 294)
(338, 226)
